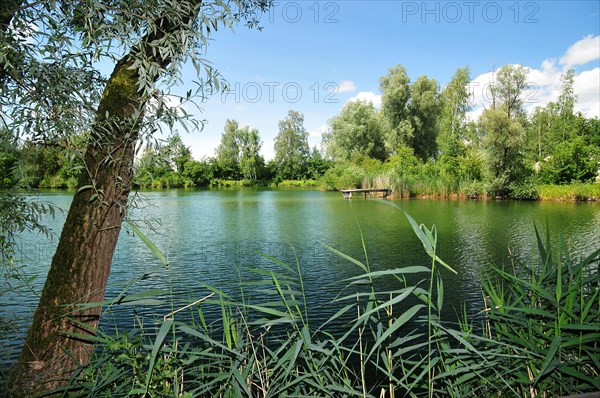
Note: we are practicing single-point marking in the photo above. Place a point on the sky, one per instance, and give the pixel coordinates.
(315, 56)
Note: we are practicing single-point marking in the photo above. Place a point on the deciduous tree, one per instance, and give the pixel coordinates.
(291, 147)
(149, 39)
(424, 111)
(509, 88)
(395, 97)
(228, 151)
(503, 142)
(355, 131)
(454, 105)
(238, 153)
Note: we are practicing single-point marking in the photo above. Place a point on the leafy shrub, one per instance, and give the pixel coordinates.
(343, 176)
(298, 184)
(525, 191)
(473, 189)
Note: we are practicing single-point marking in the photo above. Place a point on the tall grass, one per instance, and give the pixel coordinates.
(571, 192)
(539, 335)
(543, 325)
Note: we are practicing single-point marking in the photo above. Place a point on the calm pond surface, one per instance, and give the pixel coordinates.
(207, 235)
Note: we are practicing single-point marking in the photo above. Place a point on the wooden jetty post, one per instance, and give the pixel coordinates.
(348, 192)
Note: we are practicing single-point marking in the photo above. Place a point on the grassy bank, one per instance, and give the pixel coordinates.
(573, 192)
(402, 186)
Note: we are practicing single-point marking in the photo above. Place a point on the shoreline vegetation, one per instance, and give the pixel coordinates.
(578, 192)
(421, 143)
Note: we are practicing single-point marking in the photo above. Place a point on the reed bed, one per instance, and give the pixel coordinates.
(538, 335)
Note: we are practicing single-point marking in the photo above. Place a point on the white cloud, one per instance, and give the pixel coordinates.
(582, 52)
(367, 96)
(318, 131)
(346, 86)
(544, 82)
(587, 89)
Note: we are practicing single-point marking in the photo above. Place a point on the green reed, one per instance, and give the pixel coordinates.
(539, 335)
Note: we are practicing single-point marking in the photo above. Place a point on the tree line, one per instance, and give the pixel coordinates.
(169, 163)
(422, 135)
(420, 142)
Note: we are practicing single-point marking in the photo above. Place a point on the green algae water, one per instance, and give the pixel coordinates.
(210, 236)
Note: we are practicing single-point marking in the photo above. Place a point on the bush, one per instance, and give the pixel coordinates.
(343, 176)
(298, 184)
(473, 189)
(572, 161)
(525, 191)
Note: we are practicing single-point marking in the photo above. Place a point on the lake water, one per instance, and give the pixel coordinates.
(208, 235)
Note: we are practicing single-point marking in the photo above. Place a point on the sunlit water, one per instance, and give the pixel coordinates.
(209, 235)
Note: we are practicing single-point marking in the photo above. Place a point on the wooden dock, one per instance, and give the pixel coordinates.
(348, 192)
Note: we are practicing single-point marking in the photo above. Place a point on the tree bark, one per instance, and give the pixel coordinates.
(81, 265)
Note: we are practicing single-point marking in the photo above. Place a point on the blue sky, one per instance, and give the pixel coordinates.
(314, 56)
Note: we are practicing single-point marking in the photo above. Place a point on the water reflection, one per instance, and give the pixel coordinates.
(210, 236)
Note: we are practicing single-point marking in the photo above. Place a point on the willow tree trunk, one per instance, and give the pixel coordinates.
(58, 341)
(81, 264)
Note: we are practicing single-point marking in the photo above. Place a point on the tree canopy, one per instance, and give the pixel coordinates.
(357, 130)
(291, 147)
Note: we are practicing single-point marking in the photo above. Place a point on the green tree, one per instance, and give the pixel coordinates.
(567, 98)
(562, 144)
(564, 123)
(355, 131)
(504, 138)
(318, 164)
(291, 147)
(200, 172)
(251, 162)
(228, 151)
(572, 161)
(395, 97)
(454, 105)
(177, 154)
(165, 158)
(238, 153)
(538, 131)
(49, 163)
(52, 87)
(503, 131)
(508, 89)
(424, 110)
(410, 112)
(591, 132)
